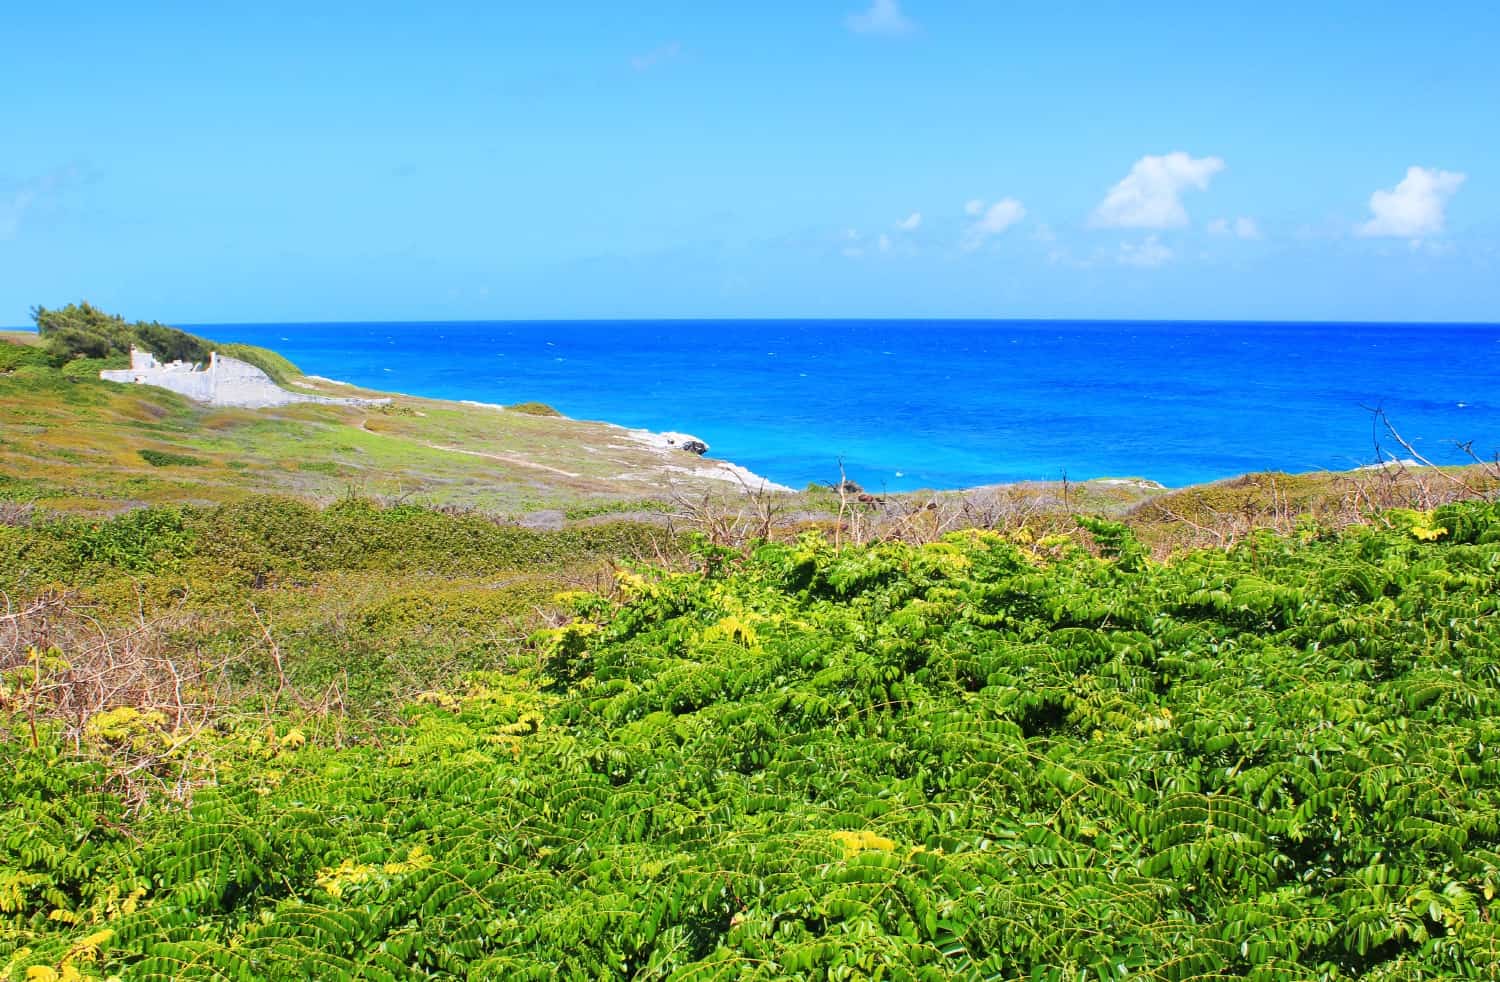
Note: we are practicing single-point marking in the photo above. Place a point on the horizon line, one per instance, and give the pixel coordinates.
(31, 329)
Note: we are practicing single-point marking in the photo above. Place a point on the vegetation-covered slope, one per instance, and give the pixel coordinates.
(70, 442)
(978, 758)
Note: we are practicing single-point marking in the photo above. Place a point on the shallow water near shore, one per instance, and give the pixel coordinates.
(949, 404)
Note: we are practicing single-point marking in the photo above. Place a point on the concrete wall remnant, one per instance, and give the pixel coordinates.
(224, 382)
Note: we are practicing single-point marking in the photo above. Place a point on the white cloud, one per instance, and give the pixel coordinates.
(12, 210)
(657, 55)
(1413, 208)
(31, 194)
(973, 207)
(1149, 252)
(991, 221)
(884, 18)
(883, 243)
(910, 222)
(1150, 196)
(1240, 228)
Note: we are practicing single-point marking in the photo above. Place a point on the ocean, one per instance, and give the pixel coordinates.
(902, 405)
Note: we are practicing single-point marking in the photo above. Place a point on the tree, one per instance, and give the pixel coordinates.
(82, 330)
(170, 344)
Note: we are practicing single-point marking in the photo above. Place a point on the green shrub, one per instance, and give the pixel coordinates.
(88, 369)
(36, 376)
(533, 409)
(141, 541)
(266, 534)
(13, 356)
(164, 458)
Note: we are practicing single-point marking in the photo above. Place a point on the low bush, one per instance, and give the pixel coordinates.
(164, 458)
(533, 409)
(13, 356)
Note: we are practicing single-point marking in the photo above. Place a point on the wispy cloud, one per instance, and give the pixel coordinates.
(1415, 207)
(991, 221)
(1240, 228)
(12, 208)
(1147, 253)
(853, 244)
(1150, 196)
(657, 55)
(910, 222)
(884, 18)
(18, 201)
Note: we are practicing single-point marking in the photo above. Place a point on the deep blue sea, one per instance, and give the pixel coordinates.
(948, 404)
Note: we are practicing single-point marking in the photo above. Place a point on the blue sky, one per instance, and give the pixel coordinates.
(819, 158)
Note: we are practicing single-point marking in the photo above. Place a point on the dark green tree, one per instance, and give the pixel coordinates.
(81, 330)
(170, 344)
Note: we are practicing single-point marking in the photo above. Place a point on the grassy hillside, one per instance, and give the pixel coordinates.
(977, 758)
(69, 442)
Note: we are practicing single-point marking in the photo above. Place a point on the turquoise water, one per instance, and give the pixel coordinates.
(947, 404)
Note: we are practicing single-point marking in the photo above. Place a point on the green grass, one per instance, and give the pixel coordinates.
(65, 428)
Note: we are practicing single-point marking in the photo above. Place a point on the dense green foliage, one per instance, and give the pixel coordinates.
(272, 538)
(14, 356)
(974, 759)
(533, 409)
(171, 344)
(380, 603)
(81, 330)
(165, 458)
